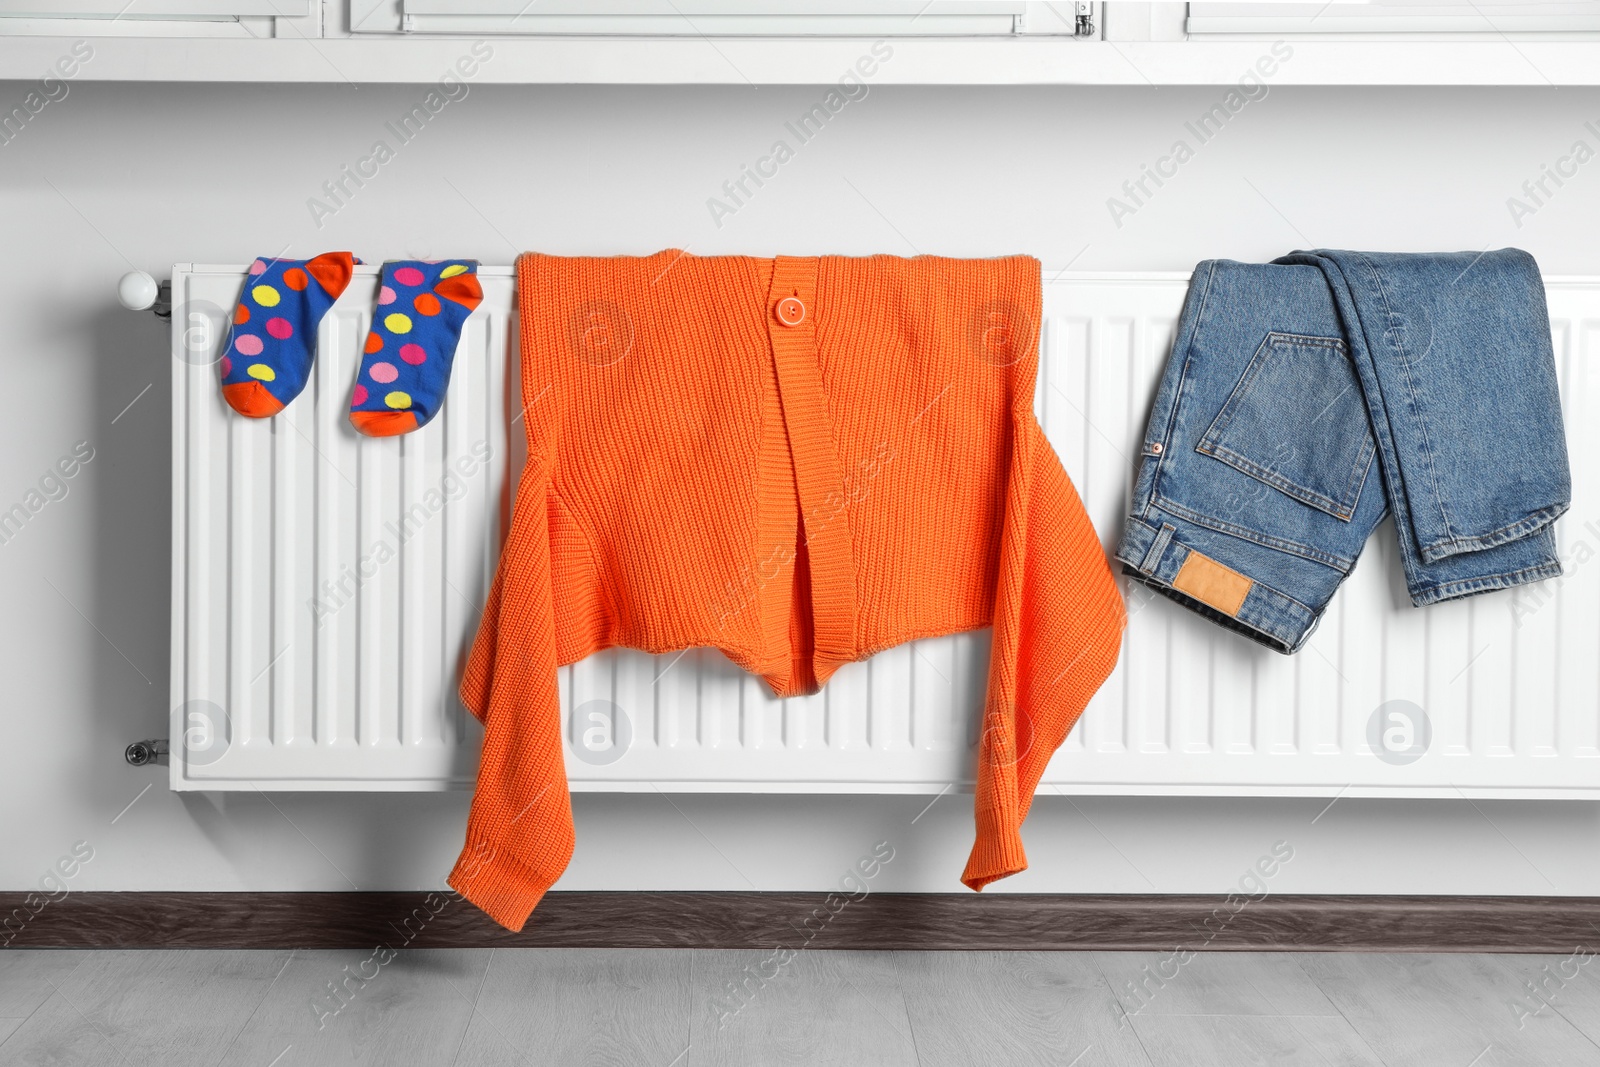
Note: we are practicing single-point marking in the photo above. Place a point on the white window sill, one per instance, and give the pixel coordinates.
(757, 61)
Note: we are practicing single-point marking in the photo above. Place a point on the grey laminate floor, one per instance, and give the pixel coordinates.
(672, 1008)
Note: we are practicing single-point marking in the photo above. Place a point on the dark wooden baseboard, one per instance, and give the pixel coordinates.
(766, 920)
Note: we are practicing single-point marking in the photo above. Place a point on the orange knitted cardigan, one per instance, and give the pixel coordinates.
(800, 462)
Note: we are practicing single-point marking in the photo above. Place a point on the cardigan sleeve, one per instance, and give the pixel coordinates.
(519, 831)
(1058, 620)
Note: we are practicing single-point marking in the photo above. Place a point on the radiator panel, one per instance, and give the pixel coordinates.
(330, 661)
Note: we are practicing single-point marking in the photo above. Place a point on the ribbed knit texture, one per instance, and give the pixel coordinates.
(701, 473)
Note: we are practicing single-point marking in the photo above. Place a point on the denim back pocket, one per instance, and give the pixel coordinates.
(1298, 422)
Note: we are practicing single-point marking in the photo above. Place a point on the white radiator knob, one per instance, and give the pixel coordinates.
(137, 290)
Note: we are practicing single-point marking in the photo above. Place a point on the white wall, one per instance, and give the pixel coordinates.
(115, 176)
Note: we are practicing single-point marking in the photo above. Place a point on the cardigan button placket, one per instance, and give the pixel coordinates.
(791, 312)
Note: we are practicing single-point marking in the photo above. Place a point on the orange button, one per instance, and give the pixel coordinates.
(791, 312)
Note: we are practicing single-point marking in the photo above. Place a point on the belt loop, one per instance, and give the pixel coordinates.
(1158, 548)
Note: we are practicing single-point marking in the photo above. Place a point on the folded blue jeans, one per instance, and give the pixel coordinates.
(1309, 397)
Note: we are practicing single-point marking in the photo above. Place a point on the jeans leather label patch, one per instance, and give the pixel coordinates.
(1213, 584)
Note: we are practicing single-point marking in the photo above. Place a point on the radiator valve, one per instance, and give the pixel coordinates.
(141, 753)
(137, 291)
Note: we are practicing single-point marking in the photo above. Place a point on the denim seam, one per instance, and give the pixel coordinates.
(1309, 339)
(1240, 623)
(1411, 388)
(1358, 476)
(1210, 444)
(1313, 612)
(1514, 531)
(1486, 582)
(1177, 395)
(1224, 418)
(1289, 488)
(1171, 430)
(1273, 340)
(1341, 285)
(1239, 626)
(1153, 531)
(1293, 548)
(1177, 540)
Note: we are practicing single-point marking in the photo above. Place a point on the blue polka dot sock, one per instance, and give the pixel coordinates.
(274, 333)
(415, 329)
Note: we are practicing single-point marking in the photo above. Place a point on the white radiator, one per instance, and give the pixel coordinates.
(325, 588)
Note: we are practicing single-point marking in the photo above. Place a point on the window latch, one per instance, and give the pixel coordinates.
(1083, 26)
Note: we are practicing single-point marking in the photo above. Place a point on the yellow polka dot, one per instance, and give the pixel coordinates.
(398, 323)
(452, 270)
(261, 371)
(265, 295)
(398, 400)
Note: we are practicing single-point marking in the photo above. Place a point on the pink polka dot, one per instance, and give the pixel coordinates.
(258, 267)
(359, 396)
(413, 354)
(280, 328)
(386, 295)
(227, 366)
(408, 276)
(248, 344)
(383, 372)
